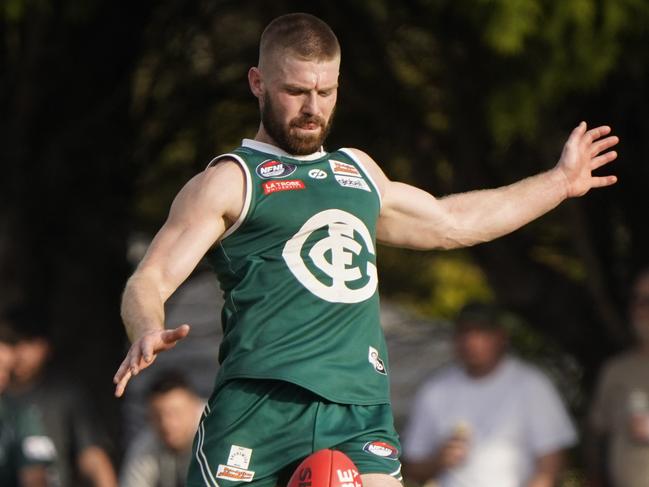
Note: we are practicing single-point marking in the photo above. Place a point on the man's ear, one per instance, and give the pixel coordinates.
(256, 82)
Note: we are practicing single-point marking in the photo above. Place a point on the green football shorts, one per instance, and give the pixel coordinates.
(256, 432)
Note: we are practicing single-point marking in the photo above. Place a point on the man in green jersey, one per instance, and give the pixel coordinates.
(291, 231)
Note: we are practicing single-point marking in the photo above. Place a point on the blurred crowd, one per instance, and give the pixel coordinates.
(486, 418)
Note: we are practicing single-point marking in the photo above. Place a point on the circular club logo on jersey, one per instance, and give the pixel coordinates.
(345, 237)
(271, 168)
(381, 449)
(317, 174)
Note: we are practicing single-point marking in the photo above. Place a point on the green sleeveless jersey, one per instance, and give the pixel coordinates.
(298, 271)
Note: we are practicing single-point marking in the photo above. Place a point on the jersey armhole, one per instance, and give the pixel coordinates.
(248, 191)
(355, 158)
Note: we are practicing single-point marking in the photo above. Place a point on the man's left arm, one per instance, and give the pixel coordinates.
(547, 469)
(413, 218)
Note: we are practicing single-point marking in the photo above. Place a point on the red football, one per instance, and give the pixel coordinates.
(326, 468)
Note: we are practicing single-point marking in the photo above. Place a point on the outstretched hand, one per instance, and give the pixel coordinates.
(584, 152)
(143, 353)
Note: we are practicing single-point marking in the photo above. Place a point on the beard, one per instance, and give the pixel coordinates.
(288, 138)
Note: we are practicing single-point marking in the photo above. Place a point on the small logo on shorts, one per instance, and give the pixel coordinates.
(381, 449)
(239, 457)
(234, 473)
(375, 360)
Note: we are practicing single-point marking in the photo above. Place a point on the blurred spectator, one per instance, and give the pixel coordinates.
(488, 420)
(81, 458)
(160, 458)
(25, 453)
(619, 418)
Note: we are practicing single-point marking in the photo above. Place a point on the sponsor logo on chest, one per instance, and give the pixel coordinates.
(348, 175)
(289, 185)
(271, 168)
(351, 182)
(343, 168)
(317, 174)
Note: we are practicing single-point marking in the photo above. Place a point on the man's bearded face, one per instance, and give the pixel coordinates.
(287, 136)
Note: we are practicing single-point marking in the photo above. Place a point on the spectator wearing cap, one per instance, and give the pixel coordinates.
(489, 418)
(26, 453)
(159, 456)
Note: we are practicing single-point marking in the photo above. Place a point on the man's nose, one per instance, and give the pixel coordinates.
(310, 105)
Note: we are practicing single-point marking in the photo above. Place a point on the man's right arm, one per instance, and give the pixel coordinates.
(199, 215)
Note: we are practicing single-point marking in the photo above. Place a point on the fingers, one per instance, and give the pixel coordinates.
(579, 129)
(576, 134)
(602, 145)
(172, 336)
(603, 181)
(120, 385)
(147, 351)
(121, 372)
(597, 132)
(605, 158)
(135, 356)
(143, 353)
(122, 376)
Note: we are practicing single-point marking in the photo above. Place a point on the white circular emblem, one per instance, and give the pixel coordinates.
(333, 256)
(317, 174)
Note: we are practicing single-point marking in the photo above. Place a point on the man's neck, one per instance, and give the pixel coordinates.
(482, 371)
(272, 148)
(262, 136)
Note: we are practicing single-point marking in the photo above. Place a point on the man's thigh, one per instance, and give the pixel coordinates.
(379, 480)
(251, 432)
(365, 434)
(255, 433)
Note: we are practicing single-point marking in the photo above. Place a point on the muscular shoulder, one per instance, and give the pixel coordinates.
(221, 178)
(219, 188)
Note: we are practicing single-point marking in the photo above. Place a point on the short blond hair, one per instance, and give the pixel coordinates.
(302, 35)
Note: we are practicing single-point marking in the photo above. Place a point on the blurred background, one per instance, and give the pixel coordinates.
(108, 108)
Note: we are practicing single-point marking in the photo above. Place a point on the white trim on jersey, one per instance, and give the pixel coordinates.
(276, 151)
(248, 198)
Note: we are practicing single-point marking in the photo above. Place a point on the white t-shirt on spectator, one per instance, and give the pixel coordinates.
(514, 416)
